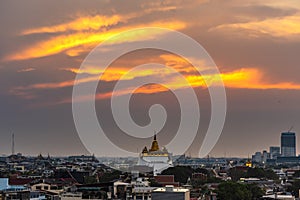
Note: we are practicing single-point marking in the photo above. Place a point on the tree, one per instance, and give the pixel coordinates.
(253, 173)
(297, 174)
(197, 183)
(233, 191)
(256, 191)
(203, 171)
(181, 173)
(262, 173)
(294, 188)
(237, 191)
(90, 179)
(110, 176)
(236, 174)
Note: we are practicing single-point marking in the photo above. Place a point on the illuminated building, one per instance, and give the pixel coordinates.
(248, 163)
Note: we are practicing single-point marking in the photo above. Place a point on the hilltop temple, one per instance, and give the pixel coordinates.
(155, 158)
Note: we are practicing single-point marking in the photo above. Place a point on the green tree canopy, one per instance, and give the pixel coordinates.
(253, 173)
(237, 191)
(181, 173)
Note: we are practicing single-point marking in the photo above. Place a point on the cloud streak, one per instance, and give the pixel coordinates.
(285, 27)
(83, 39)
(244, 78)
(88, 23)
(26, 70)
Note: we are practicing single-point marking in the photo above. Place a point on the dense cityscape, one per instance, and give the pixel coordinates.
(268, 175)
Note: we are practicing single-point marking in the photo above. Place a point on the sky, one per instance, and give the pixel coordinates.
(255, 45)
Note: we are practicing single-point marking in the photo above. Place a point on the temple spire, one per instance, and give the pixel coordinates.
(154, 146)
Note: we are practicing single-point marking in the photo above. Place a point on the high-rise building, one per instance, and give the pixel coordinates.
(257, 157)
(265, 156)
(274, 152)
(288, 144)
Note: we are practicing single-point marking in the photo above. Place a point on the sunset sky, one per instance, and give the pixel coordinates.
(255, 44)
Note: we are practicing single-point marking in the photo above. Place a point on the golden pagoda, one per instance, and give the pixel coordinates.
(145, 150)
(155, 158)
(248, 163)
(154, 146)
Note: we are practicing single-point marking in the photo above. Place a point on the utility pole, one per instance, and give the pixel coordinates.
(13, 144)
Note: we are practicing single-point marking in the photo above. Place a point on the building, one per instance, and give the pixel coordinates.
(169, 192)
(164, 180)
(274, 152)
(279, 196)
(257, 157)
(288, 144)
(141, 189)
(155, 158)
(14, 195)
(6, 186)
(120, 189)
(265, 156)
(199, 176)
(248, 163)
(142, 193)
(288, 160)
(83, 158)
(46, 187)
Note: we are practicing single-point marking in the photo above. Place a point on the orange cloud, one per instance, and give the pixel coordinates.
(243, 78)
(180, 64)
(248, 78)
(97, 22)
(254, 79)
(86, 39)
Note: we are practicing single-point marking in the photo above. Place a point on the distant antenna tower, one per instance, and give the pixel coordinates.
(13, 144)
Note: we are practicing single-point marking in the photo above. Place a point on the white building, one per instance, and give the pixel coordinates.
(155, 158)
(169, 192)
(280, 196)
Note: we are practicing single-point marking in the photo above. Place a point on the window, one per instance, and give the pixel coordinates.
(38, 187)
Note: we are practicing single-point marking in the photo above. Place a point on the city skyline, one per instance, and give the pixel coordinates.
(254, 44)
(274, 151)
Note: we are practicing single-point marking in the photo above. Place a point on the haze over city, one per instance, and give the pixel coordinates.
(255, 44)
